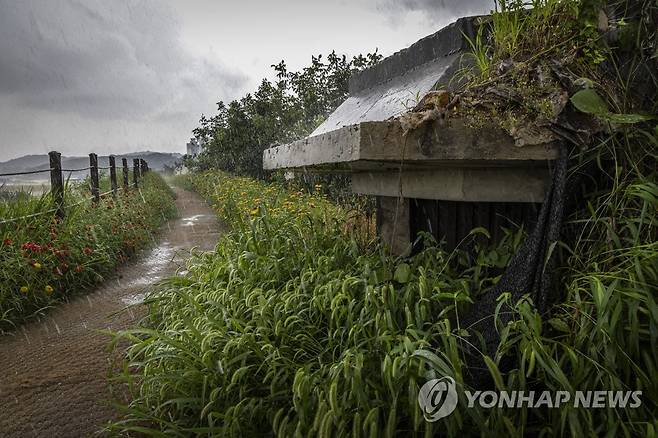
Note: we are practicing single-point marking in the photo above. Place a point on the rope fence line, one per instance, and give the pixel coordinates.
(76, 170)
(52, 210)
(31, 172)
(140, 167)
(34, 172)
(29, 216)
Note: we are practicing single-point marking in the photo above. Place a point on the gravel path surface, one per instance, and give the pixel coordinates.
(53, 373)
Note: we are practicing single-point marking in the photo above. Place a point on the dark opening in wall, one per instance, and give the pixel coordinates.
(453, 220)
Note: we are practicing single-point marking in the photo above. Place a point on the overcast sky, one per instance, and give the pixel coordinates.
(128, 75)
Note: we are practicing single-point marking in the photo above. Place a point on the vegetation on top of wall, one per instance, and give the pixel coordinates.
(534, 69)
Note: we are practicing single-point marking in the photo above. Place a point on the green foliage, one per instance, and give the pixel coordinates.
(603, 335)
(292, 327)
(44, 261)
(479, 53)
(525, 32)
(279, 112)
(588, 101)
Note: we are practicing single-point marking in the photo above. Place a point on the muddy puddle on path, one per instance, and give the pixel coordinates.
(160, 263)
(169, 259)
(193, 220)
(156, 265)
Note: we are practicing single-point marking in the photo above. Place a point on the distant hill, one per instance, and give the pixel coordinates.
(28, 163)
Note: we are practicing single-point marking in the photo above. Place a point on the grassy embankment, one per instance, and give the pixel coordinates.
(295, 325)
(295, 328)
(44, 261)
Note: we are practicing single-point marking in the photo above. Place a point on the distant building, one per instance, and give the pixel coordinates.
(194, 147)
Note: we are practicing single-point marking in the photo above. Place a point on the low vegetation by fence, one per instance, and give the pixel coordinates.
(57, 181)
(65, 241)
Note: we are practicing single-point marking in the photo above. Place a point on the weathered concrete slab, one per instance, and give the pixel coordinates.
(381, 146)
(497, 184)
(393, 86)
(390, 99)
(334, 149)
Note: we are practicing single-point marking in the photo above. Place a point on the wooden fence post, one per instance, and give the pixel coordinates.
(136, 172)
(113, 175)
(124, 162)
(143, 168)
(57, 182)
(93, 172)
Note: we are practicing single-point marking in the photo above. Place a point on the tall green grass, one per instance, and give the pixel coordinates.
(527, 31)
(290, 327)
(44, 260)
(294, 329)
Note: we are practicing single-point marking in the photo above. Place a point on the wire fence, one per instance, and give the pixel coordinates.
(82, 169)
(29, 216)
(34, 172)
(57, 191)
(31, 172)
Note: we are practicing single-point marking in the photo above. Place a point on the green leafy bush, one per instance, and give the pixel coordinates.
(277, 112)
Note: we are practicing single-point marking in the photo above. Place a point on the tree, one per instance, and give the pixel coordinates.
(277, 112)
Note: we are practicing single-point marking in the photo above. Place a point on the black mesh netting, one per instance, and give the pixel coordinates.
(530, 272)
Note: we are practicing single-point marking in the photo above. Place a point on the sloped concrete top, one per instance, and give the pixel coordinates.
(447, 159)
(393, 86)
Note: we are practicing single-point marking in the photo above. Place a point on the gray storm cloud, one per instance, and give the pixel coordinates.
(100, 59)
(100, 64)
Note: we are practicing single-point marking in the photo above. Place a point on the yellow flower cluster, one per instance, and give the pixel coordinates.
(244, 199)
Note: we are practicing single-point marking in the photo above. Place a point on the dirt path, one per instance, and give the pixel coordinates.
(53, 372)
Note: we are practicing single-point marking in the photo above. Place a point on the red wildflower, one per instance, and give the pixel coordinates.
(31, 246)
(7, 242)
(87, 250)
(79, 269)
